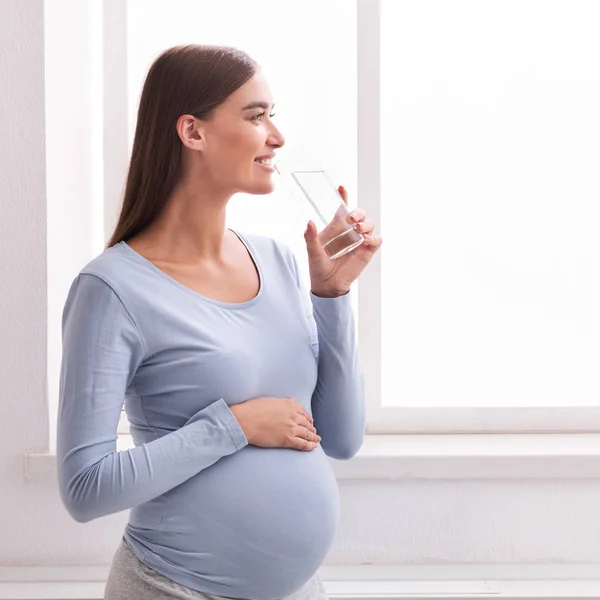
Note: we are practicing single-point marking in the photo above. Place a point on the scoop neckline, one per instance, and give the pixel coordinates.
(185, 288)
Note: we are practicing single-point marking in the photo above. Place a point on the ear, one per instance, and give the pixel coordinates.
(190, 132)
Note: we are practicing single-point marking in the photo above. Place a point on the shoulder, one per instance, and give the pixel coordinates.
(106, 292)
(121, 273)
(115, 267)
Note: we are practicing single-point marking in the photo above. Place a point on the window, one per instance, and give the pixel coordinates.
(488, 152)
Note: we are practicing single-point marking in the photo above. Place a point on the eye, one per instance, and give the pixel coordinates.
(259, 116)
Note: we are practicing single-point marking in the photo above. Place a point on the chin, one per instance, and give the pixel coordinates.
(261, 189)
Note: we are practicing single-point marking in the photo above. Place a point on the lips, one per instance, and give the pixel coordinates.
(264, 162)
(265, 159)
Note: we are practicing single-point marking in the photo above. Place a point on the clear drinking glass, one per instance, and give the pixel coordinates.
(307, 177)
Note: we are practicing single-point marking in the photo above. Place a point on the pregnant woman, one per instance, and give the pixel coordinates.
(238, 382)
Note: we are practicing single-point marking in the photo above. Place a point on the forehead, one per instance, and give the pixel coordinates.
(255, 89)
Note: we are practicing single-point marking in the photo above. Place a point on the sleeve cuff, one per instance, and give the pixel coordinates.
(233, 427)
(220, 413)
(332, 309)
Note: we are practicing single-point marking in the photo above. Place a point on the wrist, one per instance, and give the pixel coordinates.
(329, 293)
(237, 410)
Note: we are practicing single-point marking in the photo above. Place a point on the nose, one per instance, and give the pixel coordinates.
(276, 139)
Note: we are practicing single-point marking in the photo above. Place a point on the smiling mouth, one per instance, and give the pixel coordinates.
(263, 161)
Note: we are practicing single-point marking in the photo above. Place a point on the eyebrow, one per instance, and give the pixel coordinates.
(263, 105)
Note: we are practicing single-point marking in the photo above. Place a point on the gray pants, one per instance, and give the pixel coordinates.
(131, 579)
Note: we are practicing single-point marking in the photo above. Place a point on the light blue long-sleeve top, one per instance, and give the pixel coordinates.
(208, 510)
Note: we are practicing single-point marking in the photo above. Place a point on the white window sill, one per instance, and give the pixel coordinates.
(474, 456)
(452, 456)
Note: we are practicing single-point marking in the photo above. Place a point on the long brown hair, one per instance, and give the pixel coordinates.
(183, 80)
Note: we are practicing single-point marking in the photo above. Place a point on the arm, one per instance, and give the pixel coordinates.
(338, 402)
(102, 349)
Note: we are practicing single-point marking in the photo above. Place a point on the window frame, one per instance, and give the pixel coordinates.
(115, 157)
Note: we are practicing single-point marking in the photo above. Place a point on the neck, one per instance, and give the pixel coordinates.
(191, 226)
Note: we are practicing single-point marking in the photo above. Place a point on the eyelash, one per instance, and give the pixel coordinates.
(256, 117)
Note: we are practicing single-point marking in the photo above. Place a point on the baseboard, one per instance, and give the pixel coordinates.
(417, 590)
(365, 582)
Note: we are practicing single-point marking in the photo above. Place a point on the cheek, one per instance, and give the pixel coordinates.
(238, 149)
(232, 159)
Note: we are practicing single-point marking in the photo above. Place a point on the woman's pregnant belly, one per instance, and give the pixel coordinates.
(261, 520)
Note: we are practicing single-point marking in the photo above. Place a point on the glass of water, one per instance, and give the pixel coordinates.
(307, 178)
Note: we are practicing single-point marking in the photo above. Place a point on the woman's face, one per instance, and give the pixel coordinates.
(239, 135)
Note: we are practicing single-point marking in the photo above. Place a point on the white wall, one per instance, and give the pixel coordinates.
(403, 522)
(24, 421)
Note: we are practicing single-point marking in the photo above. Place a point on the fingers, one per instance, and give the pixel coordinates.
(301, 443)
(365, 227)
(343, 194)
(356, 216)
(313, 241)
(302, 412)
(304, 445)
(373, 242)
(304, 422)
(305, 439)
(305, 434)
